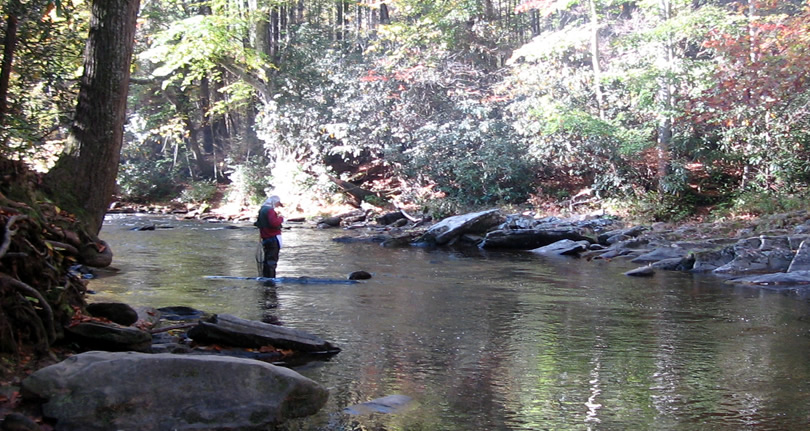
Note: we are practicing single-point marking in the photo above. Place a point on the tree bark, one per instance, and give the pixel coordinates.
(85, 175)
(9, 46)
(665, 103)
(595, 58)
(384, 16)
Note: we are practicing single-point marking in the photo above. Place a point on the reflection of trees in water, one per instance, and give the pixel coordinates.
(269, 304)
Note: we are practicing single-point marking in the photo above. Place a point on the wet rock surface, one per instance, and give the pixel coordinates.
(138, 391)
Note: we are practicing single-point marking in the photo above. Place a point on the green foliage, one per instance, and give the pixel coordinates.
(444, 207)
(249, 182)
(198, 192)
(43, 85)
(757, 203)
(376, 201)
(474, 161)
(145, 181)
(658, 207)
(430, 98)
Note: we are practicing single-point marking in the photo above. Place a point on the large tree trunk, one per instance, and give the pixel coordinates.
(665, 103)
(596, 58)
(84, 177)
(9, 46)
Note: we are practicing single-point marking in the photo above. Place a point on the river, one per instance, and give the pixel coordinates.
(485, 340)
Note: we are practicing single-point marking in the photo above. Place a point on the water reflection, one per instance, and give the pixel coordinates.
(500, 341)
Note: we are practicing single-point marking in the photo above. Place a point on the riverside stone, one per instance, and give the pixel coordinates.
(644, 271)
(709, 260)
(776, 279)
(801, 261)
(110, 337)
(660, 253)
(565, 247)
(674, 264)
(451, 228)
(233, 331)
(607, 238)
(531, 238)
(117, 312)
(97, 391)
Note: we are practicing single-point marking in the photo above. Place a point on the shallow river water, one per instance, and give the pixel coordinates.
(492, 340)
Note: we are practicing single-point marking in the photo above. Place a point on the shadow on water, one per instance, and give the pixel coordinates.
(497, 341)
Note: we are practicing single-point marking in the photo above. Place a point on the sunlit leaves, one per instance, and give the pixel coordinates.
(757, 105)
(44, 79)
(196, 45)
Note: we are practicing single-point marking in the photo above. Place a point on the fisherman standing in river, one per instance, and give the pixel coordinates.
(269, 224)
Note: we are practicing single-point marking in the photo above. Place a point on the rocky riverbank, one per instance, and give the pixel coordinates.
(773, 250)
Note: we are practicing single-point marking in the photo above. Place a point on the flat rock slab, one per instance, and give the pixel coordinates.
(796, 278)
(529, 239)
(565, 247)
(286, 280)
(233, 331)
(97, 391)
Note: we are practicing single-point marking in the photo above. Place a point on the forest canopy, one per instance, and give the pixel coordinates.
(671, 104)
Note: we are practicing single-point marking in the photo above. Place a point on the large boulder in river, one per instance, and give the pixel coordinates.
(99, 391)
(448, 230)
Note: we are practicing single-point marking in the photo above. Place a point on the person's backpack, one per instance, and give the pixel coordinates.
(261, 220)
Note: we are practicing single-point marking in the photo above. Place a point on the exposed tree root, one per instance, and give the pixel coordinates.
(39, 245)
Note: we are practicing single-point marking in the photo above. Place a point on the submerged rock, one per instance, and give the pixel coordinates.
(359, 275)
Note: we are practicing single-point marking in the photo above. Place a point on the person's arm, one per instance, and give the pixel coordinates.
(274, 219)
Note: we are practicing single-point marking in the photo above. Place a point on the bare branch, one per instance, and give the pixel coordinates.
(30, 291)
(10, 231)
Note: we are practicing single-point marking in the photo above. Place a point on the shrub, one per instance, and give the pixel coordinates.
(473, 162)
(248, 182)
(758, 203)
(198, 192)
(146, 181)
(655, 207)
